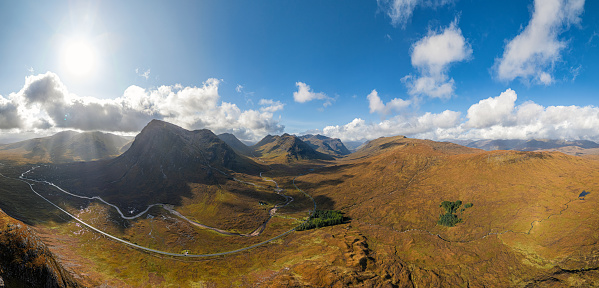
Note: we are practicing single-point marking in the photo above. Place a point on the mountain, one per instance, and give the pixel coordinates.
(523, 219)
(157, 168)
(326, 145)
(287, 148)
(234, 143)
(66, 146)
(25, 261)
(530, 145)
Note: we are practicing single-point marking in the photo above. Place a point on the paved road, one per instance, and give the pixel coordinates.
(25, 180)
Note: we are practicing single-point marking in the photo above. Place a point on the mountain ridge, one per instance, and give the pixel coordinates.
(287, 148)
(326, 145)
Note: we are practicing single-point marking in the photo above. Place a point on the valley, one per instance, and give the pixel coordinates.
(185, 208)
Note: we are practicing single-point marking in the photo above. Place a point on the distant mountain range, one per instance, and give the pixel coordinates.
(575, 147)
(67, 146)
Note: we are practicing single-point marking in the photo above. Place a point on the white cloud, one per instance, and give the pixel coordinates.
(400, 11)
(424, 126)
(377, 105)
(533, 53)
(270, 105)
(44, 103)
(432, 56)
(492, 111)
(305, 94)
(492, 118)
(145, 74)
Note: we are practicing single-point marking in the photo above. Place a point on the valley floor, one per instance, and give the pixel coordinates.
(527, 226)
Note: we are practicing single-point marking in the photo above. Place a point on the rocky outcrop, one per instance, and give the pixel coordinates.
(25, 261)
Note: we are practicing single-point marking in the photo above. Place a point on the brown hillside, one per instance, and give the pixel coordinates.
(526, 216)
(527, 226)
(25, 261)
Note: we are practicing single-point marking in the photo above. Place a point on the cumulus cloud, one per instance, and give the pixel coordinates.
(376, 104)
(492, 118)
(45, 103)
(269, 105)
(9, 116)
(492, 111)
(427, 125)
(532, 54)
(432, 56)
(400, 11)
(305, 94)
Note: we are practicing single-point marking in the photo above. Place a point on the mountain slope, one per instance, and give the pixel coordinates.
(25, 261)
(67, 146)
(234, 143)
(386, 144)
(326, 145)
(157, 167)
(287, 148)
(527, 222)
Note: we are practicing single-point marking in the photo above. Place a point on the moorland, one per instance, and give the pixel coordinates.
(193, 209)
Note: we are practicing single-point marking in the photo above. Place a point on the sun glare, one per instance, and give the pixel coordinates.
(79, 58)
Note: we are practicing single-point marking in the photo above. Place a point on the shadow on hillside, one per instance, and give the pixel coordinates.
(324, 203)
(19, 202)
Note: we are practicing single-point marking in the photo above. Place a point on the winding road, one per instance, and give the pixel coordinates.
(256, 232)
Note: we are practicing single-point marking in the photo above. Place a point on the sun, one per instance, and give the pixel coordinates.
(79, 57)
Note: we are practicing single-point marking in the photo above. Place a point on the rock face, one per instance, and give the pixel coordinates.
(287, 148)
(25, 261)
(326, 145)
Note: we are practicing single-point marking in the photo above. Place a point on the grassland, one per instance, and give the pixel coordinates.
(527, 227)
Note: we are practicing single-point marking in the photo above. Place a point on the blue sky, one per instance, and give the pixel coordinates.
(356, 70)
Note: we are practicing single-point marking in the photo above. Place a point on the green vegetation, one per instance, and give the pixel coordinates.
(451, 207)
(321, 218)
(450, 219)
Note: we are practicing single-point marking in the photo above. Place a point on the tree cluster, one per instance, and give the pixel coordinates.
(450, 219)
(322, 218)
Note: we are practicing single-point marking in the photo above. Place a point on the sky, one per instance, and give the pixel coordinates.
(354, 70)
